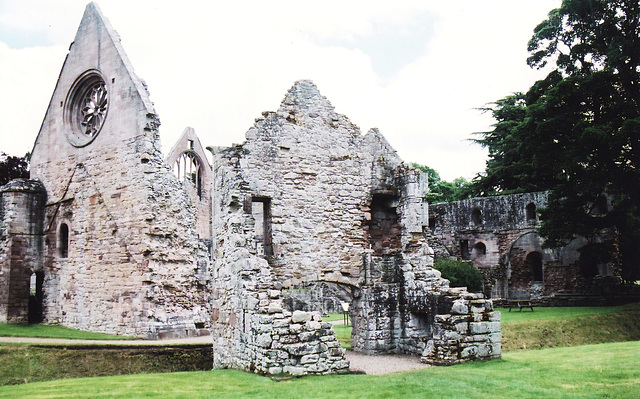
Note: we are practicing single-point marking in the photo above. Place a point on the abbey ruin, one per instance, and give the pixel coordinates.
(250, 244)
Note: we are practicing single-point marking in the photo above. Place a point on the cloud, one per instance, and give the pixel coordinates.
(416, 69)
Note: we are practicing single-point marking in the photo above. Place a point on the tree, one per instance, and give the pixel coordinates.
(12, 167)
(460, 273)
(577, 132)
(444, 191)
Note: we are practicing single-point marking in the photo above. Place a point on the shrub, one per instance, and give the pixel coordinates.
(460, 273)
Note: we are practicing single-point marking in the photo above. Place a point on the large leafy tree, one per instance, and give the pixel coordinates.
(577, 132)
(12, 167)
(444, 191)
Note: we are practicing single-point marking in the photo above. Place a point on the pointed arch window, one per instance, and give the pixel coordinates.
(188, 168)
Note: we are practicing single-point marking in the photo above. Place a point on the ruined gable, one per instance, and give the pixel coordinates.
(191, 167)
(308, 199)
(122, 254)
(127, 244)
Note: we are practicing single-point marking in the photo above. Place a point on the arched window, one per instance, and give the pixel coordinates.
(530, 212)
(63, 240)
(479, 249)
(476, 217)
(188, 168)
(533, 262)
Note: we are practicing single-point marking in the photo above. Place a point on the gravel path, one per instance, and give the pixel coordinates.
(383, 364)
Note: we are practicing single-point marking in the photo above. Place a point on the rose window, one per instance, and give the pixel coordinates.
(86, 108)
(94, 109)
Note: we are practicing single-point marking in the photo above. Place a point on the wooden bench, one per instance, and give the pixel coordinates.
(524, 303)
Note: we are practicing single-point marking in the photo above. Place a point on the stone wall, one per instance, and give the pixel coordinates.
(308, 199)
(131, 262)
(21, 248)
(499, 235)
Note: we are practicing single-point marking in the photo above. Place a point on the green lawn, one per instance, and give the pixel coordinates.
(561, 327)
(333, 317)
(593, 371)
(543, 313)
(43, 331)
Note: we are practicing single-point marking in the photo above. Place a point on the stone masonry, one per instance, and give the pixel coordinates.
(307, 198)
(499, 235)
(131, 250)
(112, 236)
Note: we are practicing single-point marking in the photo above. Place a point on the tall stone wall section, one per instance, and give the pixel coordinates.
(21, 246)
(499, 234)
(133, 258)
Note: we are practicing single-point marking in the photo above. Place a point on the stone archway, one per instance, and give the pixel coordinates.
(525, 267)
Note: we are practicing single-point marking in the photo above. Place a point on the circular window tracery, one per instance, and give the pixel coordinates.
(86, 108)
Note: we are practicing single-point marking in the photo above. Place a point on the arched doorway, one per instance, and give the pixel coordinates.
(35, 297)
(533, 263)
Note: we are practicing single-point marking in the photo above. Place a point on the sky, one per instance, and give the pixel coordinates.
(417, 70)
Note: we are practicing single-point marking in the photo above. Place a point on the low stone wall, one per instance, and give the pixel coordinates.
(469, 331)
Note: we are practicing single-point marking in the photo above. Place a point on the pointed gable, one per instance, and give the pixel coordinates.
(98, 99)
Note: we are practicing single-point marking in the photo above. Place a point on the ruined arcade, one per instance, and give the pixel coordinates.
(115, 237)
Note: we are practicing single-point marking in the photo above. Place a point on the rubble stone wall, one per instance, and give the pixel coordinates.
(301, 201)
(134, 264)
(505, 229)
(21, 243)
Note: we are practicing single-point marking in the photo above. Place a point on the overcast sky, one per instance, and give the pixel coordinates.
(417, 70)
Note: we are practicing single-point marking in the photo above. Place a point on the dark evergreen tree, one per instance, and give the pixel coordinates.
(12, 167)
(577, 132)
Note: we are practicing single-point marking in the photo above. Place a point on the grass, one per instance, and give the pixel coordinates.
(546, 313)
(20, 364)
(609, 370)
(592, 371)
(333, 317)
(44, 331)
(343, 333)
(562, 327)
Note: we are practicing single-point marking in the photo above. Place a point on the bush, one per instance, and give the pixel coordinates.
(460, 273)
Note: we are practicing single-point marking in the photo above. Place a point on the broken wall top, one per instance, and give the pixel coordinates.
(319, 174)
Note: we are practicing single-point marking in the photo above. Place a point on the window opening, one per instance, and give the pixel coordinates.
(464, 249)
(63, 241)
(480, 249)
(530, 212)
(187, 168)
(476, 217)
(384, 229)
(533, 262)
(261, 211)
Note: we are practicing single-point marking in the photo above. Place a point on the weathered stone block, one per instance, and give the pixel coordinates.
(300, 317)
